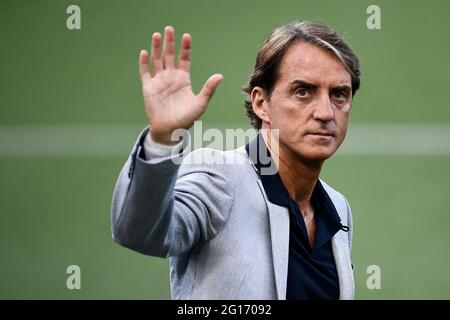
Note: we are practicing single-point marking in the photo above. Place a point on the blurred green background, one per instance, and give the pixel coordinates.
(71, 107)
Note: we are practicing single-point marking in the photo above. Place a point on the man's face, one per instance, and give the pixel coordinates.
(310, 102)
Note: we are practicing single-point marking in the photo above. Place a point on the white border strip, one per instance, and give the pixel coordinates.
(397, 139)
(117, 140)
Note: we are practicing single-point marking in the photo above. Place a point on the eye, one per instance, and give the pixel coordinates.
(340, 95)
(302, 92)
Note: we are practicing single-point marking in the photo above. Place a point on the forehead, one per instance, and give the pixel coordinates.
(303, 60)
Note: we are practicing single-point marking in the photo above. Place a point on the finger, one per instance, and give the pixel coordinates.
(143, 66)
(168, 51)
(210, 87)
(184, 57)
(157, 64)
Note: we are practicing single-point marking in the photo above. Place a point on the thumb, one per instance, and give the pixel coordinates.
(209, 87)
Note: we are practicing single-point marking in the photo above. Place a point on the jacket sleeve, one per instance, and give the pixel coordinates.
(166, 208)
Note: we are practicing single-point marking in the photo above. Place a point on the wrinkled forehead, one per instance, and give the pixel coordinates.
(314, 64)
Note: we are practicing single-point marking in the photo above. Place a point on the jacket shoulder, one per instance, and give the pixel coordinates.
(214, 159)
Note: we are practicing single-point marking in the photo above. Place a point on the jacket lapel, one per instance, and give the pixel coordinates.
(341, 254)
(279, 233)
(341, 249)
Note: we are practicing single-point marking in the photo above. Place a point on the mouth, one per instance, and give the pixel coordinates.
(321, 133)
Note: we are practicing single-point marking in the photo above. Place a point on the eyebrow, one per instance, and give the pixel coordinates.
(302, 83)
(346, 88)
(309, 85)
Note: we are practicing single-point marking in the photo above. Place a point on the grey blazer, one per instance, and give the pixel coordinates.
(211, 217)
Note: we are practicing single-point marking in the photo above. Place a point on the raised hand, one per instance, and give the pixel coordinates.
(169, 101)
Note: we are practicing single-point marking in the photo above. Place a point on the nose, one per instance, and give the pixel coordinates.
(323, 110)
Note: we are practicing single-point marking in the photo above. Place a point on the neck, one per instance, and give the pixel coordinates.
(299, 176)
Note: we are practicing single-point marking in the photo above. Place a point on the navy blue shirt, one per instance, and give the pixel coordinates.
(311, 269)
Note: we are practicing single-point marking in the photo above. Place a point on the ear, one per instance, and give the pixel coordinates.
(260, 104)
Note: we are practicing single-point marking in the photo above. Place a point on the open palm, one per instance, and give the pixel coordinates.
(170, 103)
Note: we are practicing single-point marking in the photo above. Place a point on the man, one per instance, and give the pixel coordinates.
(233, 230)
